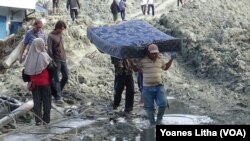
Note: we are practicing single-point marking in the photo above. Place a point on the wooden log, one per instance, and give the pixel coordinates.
(16, 113)
(13, 56)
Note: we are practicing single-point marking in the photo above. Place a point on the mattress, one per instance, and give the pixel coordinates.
(130, 39)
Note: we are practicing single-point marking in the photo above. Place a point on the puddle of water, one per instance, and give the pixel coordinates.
(186, 119)
(148, 134)
(176, 114)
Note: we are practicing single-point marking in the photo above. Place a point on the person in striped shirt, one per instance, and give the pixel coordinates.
(153, 90)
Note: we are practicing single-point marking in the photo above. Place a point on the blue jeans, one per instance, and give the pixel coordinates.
(59, 84)
(140, 81)
(153, 94)
(123, 14)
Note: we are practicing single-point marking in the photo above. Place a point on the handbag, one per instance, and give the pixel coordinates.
(52, 68)
(26, 77)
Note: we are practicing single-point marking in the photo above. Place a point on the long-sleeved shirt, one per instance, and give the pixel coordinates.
(73, 4)
(56, 46)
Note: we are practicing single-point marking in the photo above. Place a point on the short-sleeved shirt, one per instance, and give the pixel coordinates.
(31, 35)
(151, 71)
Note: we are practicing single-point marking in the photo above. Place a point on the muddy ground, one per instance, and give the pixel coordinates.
(210, 75)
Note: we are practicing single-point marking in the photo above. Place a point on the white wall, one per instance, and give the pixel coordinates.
(4, 11)
(17, 15)
(25, 4)
(12, 14)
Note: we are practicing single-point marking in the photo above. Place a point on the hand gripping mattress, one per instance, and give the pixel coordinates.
(129, 39)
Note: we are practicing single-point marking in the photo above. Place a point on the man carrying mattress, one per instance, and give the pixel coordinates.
(153, 90)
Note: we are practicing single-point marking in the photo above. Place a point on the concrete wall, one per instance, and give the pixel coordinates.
(13, 15)
(25, 4)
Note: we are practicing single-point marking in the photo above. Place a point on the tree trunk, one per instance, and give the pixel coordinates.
(13, 56)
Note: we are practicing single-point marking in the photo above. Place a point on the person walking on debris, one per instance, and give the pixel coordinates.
(143, 6)
(153, 89)
(122, 6)
(30, 35)
(123, 78)
(151, 6)
(179, 2)
(114, 10)
(57, 52)
(73, 5)
(36, 65)
(55, 6)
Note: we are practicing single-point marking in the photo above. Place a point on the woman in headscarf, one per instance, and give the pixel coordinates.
(36, 65)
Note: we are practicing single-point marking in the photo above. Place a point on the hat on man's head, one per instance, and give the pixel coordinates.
(153, 48)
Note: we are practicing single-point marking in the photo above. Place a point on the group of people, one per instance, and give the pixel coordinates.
(44, 49)
(72, 5)
(118, 8)
(152, 89)
(150, 4)
(121, 7)
(39, 51)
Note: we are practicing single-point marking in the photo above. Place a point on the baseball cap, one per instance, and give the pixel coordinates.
(153, 48)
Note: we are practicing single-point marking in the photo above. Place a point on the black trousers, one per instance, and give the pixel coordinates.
(74, 14)
(143, 9)
(122, 81)
(42, 100)
(153, 9)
